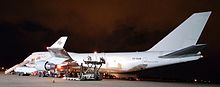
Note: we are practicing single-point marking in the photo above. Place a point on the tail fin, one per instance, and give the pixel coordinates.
(184, 35)
(59, 43)
(58, 53)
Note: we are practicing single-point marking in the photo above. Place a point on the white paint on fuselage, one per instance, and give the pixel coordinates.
(119, 62)
(125, 61)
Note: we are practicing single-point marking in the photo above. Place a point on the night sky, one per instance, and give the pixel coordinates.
(28, 26)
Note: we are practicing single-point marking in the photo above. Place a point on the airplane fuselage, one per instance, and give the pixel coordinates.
(120, 62)
(130, 61)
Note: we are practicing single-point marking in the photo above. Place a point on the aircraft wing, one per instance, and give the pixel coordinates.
(59, 52)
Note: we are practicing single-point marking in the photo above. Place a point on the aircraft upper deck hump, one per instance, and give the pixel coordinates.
(186, 34)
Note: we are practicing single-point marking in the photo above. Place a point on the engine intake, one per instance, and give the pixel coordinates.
(44, 65)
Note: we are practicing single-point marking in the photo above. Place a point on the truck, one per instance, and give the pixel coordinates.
(22, 71)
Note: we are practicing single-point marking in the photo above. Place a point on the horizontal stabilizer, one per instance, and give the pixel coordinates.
(188, 51)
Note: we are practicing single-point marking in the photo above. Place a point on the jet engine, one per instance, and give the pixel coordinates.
(44, 65)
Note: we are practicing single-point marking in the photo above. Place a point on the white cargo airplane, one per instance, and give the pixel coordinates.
(177, 47)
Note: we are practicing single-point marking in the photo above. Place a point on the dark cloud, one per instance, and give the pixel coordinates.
(31, 26)
(21, 39)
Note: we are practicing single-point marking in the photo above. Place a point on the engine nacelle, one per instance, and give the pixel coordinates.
(44, 65)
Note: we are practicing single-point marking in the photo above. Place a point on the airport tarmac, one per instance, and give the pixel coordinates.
(34, 81)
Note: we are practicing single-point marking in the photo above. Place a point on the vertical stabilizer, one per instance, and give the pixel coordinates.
(59, 43)
(184, 35)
